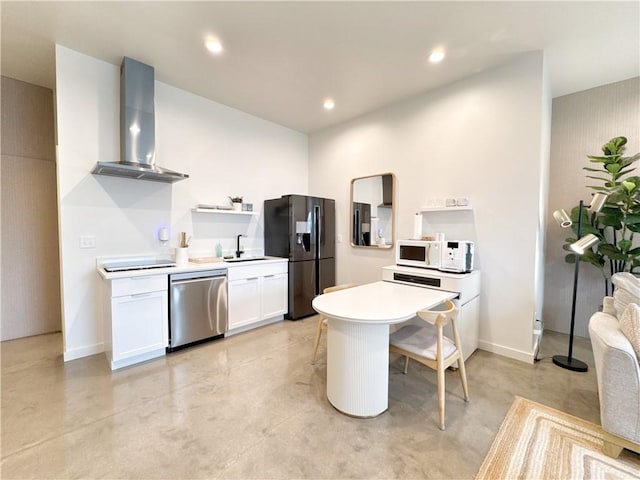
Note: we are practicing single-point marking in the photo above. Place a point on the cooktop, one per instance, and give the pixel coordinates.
(138, 264)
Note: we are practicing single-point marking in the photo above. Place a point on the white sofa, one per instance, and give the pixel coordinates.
(618, 374)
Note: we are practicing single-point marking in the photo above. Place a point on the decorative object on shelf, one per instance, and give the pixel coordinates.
(206, 206)
(619, 217)
(247, 207)
(236, 202)
(446, 203)
(579, 248)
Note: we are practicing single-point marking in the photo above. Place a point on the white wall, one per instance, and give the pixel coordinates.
(482, 138)
(225, 152)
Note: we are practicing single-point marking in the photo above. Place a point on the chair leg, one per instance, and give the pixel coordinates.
(317, 342)
(406, 365)
(461, 369)
(440, 367)
(441, 394)
(463, 378)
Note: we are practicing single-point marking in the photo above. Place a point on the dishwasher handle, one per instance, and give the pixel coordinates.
(188, 277)
(195, 280)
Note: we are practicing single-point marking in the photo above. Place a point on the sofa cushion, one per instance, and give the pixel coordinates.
(630, 326)
(627, 291)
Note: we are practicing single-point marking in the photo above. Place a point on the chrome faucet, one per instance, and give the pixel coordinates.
(238, 251)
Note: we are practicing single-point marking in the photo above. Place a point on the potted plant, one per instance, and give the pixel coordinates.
(618, 221)
(236, 202)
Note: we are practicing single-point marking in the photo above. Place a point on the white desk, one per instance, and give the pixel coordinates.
(358, 340)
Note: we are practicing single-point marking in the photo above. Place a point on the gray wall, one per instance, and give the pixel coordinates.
(581, 123)
(30, 267)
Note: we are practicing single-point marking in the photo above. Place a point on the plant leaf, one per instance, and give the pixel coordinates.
(613, 167)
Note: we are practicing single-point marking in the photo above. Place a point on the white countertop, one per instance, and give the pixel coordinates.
(379, 302)
(189, 267)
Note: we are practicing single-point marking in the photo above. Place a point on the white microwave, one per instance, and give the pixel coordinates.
(448, 256)
(419, 253)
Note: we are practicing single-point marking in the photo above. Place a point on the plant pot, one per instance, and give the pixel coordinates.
(237, 207)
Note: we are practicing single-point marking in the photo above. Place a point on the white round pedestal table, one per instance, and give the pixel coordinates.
(358, 340)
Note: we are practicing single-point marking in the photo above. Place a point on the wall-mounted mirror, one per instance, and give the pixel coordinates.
(372, 211)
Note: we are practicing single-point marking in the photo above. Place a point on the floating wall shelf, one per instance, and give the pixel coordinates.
(224, 212)
(445, 209)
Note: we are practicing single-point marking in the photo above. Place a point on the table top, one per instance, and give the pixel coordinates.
(379, 302)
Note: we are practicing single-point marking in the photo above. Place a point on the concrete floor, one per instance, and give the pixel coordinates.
(253, 406)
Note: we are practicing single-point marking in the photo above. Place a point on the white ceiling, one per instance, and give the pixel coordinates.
(282, 59)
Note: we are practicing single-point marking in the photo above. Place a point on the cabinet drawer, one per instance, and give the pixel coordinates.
(134, 285)
(251, 271)
(140, 324)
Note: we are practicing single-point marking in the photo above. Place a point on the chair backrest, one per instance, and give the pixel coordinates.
(440, 317)
(335, 288)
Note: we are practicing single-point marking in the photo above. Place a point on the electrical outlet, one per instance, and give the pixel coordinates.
(339, 238)
(87, 241)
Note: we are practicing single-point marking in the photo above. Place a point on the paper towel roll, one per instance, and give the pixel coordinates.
(417, 226)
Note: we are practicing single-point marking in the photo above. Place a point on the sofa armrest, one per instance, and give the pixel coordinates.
(618, 375)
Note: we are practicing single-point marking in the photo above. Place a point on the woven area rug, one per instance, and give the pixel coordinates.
(539, 442)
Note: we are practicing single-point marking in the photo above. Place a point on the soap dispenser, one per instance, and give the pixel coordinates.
(218, 250)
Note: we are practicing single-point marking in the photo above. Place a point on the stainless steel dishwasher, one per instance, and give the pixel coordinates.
(197, 307)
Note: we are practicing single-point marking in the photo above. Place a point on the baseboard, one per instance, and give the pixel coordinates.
(83, 352)
(251, 326)
(509, 352)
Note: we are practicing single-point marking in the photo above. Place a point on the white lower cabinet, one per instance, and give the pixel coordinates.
(244, 302)
(274, 295)
(137, 320)
(257, 295)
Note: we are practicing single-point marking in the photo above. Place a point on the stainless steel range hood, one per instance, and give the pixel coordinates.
(137, 128)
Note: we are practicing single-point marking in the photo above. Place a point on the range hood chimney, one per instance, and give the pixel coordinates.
(137, 128)
(387, 191)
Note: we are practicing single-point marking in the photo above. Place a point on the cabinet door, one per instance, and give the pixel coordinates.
(140, 324)
(244, 302)
(469, 321)
(274, 295)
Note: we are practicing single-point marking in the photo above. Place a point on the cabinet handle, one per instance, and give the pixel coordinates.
(269, 276)
(252, 278)
(138, 295)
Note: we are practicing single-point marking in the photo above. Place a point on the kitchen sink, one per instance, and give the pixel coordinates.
(244, 259)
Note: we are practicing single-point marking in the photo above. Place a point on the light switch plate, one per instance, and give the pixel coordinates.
(87, 241)
(339, 238)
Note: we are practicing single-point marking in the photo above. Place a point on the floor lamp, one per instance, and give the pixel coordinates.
(578, 247)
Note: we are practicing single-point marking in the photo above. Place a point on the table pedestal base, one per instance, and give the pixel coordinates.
(358, 367)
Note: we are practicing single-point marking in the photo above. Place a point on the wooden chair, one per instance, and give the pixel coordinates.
(322, 321)
(427, 344)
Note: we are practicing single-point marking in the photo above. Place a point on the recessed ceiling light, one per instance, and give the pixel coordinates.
(329, 104)
(213, 45)
(436, 56)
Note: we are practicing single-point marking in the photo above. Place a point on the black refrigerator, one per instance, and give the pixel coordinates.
(302, 229)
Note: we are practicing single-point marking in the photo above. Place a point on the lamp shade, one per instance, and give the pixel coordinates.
(563, 218)
(597, 202)
(584, 243)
